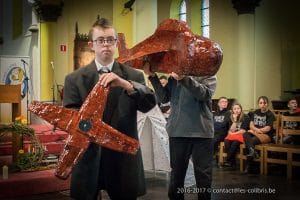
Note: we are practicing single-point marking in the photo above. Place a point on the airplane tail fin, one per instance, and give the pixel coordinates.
(74, 149)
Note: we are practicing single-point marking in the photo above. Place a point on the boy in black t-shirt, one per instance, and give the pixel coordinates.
(293, 111)
(221, 123)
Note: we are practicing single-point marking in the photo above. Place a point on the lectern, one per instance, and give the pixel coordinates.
(12, 94)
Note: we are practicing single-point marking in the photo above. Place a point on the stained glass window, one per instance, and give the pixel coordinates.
(205, 18)
(182, 11)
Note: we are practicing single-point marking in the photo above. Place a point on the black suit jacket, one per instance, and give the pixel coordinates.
(120, 174)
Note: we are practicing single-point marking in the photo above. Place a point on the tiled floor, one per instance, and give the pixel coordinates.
(227, 184)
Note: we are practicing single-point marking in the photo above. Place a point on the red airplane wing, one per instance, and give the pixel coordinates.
(55, 115)
(84, 127)
(89, 123)
(94, 105)
(111, 138)
(75, 146)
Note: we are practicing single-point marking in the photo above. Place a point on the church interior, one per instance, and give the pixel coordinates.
(42, 41)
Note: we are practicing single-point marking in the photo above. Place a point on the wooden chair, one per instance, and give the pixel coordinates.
(243, 157)
(288, 159)
(259, 148)
(287, 149)
(276, 126)
(279, 111)
(285, 130)
(242, 154)
(223, 154)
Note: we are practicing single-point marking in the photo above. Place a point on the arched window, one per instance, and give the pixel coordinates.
(205, 18)
(182, 11)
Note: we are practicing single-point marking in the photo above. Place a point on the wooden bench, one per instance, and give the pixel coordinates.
(286, 130)
(288, 159)
(222, 154)
(241, 156)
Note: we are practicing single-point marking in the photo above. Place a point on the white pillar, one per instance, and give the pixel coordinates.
(245, 74)
(145, 19)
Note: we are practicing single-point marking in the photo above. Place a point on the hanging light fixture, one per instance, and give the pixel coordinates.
(48, 10)
(127, 7)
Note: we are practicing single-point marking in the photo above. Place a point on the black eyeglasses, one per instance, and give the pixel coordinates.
(109, 40)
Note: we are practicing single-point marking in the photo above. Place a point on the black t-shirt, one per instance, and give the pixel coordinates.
(292, 125)
(261, 120)
(221, 121)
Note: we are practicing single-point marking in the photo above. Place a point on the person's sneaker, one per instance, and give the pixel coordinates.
(229, 165)
(253, 154)
(220, 166)
(233, 166)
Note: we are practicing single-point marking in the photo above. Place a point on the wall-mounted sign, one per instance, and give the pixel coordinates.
(63, 48)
